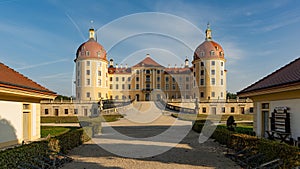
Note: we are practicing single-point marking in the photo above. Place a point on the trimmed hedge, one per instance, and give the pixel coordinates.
(290, 155)
(10, 158)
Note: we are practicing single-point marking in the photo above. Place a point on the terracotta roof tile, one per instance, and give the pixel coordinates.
(147, 62)
(13, 79)
(287, 75)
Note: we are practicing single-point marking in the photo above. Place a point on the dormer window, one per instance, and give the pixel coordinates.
(202, 53)
(221, 53)
(217, 47)
(87, 53)
(98, 54)
(212, 53)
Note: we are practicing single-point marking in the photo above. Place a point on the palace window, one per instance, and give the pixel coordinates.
(173, 86)
(213, 63)
(66, 111)
(222, 63)
(117, 86)
(88, 63)
(99, 73)
(202, 72)
(167, 86)
(137, 79)
(111, 79)
(128, 79)
(213, 94)
(187, 86)
(213, 72)
(187, 79)
(46, 111)
(158, 71)
(123, 79)
(222, 72)
(88, 94)
(213, 81)
(202, 94)
(88, 72)
(137, 86)
(117, 79)
(129, 86)
(232, 110)
(203, 109)
(201, 82)
(110, 86)
(99, 95)
(158, 79)
(222, 82)
(223, 109)
(99, 82)
(158, 86)
(88, 82)
(123, 86)
(202, 63)
(167, 79)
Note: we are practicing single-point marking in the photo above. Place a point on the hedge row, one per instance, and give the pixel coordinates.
(290, 155)
(10, 158)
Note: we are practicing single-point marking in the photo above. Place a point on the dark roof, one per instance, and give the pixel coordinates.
(287, 75)
(147, 62)
(113, 70)
(173, 70)
(10, 78)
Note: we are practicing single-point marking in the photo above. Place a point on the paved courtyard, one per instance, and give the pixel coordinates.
(134, 142)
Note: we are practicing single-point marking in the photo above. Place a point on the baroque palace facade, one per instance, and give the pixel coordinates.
(100, 79)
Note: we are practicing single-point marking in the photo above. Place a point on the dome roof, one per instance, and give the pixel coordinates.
(209, 49)
(91, 49)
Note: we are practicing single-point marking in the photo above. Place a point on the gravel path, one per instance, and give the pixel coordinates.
(188, 153)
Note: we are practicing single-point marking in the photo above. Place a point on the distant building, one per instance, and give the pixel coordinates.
(148, 80)
(19, 107)
(97, 78)
(279, 90)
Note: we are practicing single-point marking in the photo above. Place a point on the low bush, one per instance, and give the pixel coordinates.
(290, 155)
(10, 158)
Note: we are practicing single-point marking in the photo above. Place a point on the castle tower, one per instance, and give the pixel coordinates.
(91, 70)
(209, 69)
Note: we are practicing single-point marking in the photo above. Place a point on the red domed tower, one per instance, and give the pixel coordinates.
(91, 70)
(209, 69)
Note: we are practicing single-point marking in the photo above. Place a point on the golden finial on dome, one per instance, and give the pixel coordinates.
(208, 32)
(92, 31)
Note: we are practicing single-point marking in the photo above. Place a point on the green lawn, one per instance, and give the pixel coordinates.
(74, 119)
(237, 117)
(53, 130)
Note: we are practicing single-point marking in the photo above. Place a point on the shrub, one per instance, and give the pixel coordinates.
(290, 155)
(10, 158)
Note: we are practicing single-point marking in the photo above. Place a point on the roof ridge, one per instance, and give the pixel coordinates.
(265, 77)
(43, 88)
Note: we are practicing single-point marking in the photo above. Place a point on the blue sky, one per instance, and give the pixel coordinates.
(40, 38)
